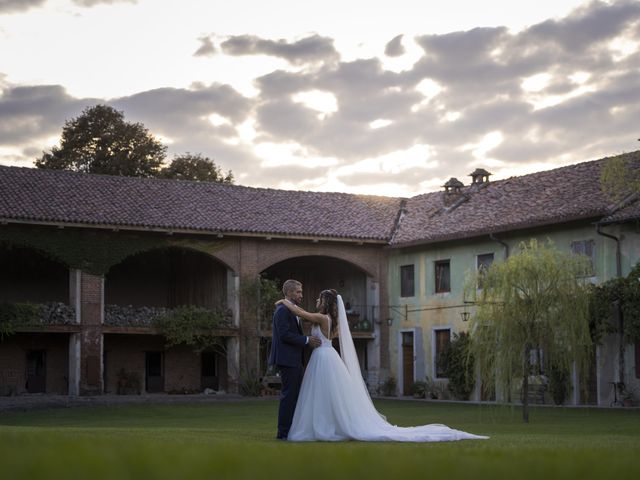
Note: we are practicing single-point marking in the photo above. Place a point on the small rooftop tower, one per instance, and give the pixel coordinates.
(480, 175)
(453, 186)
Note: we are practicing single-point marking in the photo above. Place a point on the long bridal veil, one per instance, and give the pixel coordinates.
(354, 414)
(350, 359)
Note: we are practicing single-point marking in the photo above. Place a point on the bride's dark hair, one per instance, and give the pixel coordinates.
(329, 306)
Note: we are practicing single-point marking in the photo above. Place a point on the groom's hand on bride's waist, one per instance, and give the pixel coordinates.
(314, 342)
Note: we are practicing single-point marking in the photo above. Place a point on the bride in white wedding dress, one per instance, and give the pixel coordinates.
(334, 403)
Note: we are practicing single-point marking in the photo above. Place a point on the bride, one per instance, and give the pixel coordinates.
(334, 403)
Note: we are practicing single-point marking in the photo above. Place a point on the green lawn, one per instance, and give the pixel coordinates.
(236, 440)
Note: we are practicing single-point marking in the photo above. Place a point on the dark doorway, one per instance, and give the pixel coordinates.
(209, 369)
(154, 372)
(407, 362)
(36, 371)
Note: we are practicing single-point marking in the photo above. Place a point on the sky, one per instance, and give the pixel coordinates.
(366, 97)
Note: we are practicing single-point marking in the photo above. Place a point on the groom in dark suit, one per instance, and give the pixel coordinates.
(287, 348)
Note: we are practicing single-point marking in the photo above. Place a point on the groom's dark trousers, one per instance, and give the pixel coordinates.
(287, 348)
(291, 380)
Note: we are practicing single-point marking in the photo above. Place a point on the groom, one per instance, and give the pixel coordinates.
(287, 347)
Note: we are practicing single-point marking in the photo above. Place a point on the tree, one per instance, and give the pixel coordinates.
(101, 141)
(620, 176)
(535, 301)
(195, 167)
(615, 307)
(459, 366)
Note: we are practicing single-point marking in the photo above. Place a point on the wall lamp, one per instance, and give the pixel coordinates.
(389, 321)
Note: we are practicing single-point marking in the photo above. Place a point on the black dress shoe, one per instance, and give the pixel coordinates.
(279, 437)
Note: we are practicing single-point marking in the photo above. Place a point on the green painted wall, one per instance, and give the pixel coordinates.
(442, 310)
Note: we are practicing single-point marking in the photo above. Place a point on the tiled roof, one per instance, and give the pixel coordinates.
(36, 195)
(543, 198)
(624, 214)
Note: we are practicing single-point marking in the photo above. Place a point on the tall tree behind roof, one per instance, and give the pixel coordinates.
(99, 140)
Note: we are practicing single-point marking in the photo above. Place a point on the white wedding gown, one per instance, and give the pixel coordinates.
(334, 404)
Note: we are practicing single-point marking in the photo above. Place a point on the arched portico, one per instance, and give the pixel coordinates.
(33, 362)
(359, 291)
(168, 277)
(352, 257)
(163, 279)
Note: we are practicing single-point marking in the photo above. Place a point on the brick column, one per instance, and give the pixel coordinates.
(248, 348)
(91, 319)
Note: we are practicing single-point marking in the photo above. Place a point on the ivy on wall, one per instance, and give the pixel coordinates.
(617, 295)
(260, 295)
(194, 326)
(14, 316)
(94, 251)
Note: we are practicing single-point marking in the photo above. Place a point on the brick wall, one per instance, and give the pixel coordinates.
(13, 366)
(182, 365)
(247, 257)
(91, 314)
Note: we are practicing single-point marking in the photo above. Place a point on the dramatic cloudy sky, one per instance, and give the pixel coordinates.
(360, 96)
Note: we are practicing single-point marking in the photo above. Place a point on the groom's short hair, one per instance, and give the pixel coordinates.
(290, 285)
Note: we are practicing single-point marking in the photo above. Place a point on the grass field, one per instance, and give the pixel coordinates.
(236, 440)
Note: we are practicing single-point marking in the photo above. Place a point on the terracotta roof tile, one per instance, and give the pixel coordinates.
(67, 197)
(543, 198)
(624, 214)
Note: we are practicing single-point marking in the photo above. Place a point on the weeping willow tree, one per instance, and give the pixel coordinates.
(535, 301)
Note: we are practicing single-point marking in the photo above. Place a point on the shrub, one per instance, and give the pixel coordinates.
(419, 389)
(250, 384)
(559, 385)
(388, 387)
(459, 366)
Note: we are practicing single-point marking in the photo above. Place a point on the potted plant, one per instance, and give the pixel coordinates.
(419, 389)
(628, 398)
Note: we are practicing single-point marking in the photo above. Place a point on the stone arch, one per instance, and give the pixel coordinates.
(318, 272)
(292, 253)
(210, 249)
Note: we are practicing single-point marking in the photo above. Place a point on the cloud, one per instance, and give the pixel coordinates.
(555, 93)
(14, 6)
(311, 49)
(394, 48)
(585, 28)
(206, 48)
(32, 117)
(32, 113)
(93, 3)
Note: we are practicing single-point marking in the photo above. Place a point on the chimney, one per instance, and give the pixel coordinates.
(479, 176)
(452, 190)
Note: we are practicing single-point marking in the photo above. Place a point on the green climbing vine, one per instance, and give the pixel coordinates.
(14, 316)
(194, 326)
(618, 294)
(93, 251)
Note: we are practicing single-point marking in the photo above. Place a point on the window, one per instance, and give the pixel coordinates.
(483, 262)
(585, 247)
(442, 339)
(443, 276)
(407, 284)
